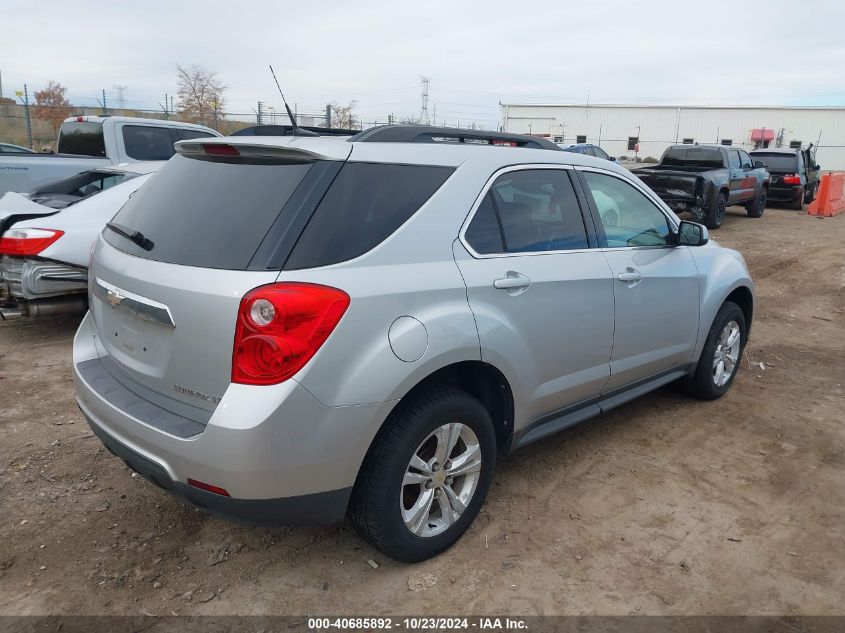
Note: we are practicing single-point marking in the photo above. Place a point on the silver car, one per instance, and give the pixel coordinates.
(292, 329)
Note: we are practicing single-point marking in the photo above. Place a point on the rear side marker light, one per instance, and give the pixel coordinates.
(280, 327)
(220, 150)
(208, 487)
(27, 242)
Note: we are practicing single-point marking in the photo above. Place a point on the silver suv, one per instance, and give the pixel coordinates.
(292, 329)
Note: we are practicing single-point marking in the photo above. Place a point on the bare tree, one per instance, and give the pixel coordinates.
(51, 104)
(342, 116)
(200, 94)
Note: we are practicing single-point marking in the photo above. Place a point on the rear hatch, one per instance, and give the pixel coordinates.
(779, 164)
(168, 277)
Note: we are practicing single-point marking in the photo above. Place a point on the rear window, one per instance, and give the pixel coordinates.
(366, 203)
(692, 157)
(207, 214)
(778, 162)
(84, 138)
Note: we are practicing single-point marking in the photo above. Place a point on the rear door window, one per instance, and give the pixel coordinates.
(364, 206)
(535, 210)
(205, 213)
(146, 142)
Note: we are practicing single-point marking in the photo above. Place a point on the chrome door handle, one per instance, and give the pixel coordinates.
(630, 275)
(512, 281)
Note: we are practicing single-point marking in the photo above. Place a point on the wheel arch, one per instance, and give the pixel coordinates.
(744, 298)
(484, 382)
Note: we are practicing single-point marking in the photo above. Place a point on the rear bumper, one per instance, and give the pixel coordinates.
(282, 456)
(321, 507)
(791, 193)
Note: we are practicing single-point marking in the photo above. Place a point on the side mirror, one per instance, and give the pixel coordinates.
(692, 234)
(612, 158)
(817, 167)
(759, 164)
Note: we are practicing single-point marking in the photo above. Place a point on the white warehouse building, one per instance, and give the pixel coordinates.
(645, 131)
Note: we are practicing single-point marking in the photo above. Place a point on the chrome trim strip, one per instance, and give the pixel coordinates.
(136, 305)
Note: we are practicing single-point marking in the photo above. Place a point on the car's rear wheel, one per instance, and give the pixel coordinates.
(756, 208)
(810, 195)
(714, 219)
(798, 202)
(426, 476)
(721, 355)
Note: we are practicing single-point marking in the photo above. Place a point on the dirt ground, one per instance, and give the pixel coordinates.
(665, 506)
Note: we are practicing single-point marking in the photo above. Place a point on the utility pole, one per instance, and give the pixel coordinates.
(105, 110)
(390, 119)
(259, 113)
(425, 81)
(328, 115)
(25, 100)
(214, 105)
(172, 109)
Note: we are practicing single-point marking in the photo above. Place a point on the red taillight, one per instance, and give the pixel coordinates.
(208, 487)
(25, 242)
(792, 180)
(280, 327)
(220, 150)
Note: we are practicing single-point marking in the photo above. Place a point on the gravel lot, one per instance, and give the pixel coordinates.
(666, 506)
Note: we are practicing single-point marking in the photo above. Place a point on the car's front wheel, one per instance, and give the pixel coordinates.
(426, 476)
(721, 355)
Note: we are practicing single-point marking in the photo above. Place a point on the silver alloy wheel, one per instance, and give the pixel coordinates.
(440, 479)
(727, 354)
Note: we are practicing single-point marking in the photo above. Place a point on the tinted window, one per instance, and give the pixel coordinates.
(144, 142)
(184, 135)
(692, 157)
(538, 211)
(628, 217)
(778, 161)
(84, 138)
(483, 232)
(733, 158)
(601, 153)
(366, 203)
(204, 213)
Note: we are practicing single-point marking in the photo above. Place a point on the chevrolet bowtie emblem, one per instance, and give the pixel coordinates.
(114, 298)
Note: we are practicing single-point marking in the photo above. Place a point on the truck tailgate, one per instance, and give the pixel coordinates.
(670, 185)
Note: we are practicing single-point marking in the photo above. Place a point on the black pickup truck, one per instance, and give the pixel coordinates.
(705, 179)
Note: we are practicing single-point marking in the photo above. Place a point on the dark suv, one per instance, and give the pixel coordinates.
(588, 149)
(794, 174)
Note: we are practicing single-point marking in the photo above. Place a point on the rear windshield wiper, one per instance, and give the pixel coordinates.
(133, 236)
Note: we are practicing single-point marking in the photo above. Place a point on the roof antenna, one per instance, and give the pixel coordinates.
(297, 131)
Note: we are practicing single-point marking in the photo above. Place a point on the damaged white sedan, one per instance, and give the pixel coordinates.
(46, 238)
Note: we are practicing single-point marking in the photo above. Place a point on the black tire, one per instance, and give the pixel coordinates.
(756, 208)
(374, 508)
(716, 215)
(798, 203)
(811, 195)
(701, 383)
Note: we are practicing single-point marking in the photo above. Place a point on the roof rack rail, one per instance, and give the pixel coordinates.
(433, 134)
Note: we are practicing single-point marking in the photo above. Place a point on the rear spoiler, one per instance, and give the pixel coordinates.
(221, 150)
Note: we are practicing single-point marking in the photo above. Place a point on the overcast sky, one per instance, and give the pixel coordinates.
(476, 53)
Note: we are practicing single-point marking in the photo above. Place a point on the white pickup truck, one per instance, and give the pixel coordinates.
(88, 142)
